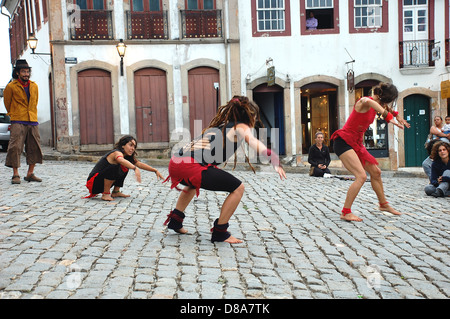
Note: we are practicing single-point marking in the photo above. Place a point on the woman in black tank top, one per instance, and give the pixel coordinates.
(195, 165)
(113, 167)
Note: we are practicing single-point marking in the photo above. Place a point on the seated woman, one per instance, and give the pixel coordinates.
(113, 167)
(440, 171)
(319, 157)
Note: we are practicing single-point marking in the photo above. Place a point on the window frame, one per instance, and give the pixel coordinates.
(303, 17)
(90, 5)
(384, 19)
(287, 22)
(146, 6)
(200, 5)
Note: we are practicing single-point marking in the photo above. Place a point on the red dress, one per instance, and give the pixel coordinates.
(353, 133)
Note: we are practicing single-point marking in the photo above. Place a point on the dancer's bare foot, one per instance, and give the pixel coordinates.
(351, 217)
(182, 230)
(389, 209)
(107, 197)
(119, 194)
(232, 240)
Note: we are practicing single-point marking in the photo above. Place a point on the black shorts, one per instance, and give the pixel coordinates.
(215, 179)
(340, 146)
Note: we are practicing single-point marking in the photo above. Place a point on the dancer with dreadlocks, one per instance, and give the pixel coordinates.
(348, 145)
(195, 165)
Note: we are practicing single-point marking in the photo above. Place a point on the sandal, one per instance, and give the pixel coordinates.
(32, 178)
(15, 179)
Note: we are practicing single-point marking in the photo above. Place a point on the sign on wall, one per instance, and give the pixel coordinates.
(445, 89)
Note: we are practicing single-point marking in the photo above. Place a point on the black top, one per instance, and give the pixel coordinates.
(103, 163)
(317, 156)
(438, 167)
(209, 148)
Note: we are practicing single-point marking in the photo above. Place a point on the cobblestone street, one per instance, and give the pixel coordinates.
(56, 244)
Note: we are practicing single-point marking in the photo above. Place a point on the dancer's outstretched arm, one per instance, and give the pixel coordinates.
(245, 132)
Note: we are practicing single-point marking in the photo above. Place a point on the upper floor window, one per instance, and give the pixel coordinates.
(201, 19)
(368, 16)
(95, 21)
(201, 4)
(368, 13)
(319, 16)
(147, 20)
(271, 17)
(145, 5)
(91, 4)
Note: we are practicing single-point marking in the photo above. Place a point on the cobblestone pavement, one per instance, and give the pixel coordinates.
(55, 244)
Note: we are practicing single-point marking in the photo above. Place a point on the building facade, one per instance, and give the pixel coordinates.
(184, 58)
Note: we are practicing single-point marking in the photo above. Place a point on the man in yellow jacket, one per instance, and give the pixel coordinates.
(21, 98)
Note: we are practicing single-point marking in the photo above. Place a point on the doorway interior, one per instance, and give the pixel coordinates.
(319, 113)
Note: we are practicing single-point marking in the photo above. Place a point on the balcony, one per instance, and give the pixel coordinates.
(416, 54)
(147, 25)
(92, 25)
(201, 23)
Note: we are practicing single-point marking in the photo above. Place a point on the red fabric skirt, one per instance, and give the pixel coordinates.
(363, 154)
(188, 170)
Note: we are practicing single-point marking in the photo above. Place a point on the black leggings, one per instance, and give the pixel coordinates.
(215, 179)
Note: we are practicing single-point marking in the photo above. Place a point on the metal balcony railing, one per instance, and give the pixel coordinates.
(201, 23)
(416, 53)
(91, 25)
(147, 25)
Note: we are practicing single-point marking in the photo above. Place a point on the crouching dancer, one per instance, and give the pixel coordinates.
(195, 165)
(113, 167)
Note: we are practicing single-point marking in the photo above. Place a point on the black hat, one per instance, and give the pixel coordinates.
(20, 64)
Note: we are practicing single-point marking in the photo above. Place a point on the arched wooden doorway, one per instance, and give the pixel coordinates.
(95, 107)
(203, 96)
(150, 89)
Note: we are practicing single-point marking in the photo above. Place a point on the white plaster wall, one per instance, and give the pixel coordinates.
(302, 56)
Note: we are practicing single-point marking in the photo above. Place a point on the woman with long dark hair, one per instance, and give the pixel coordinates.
(440, 171)
(348, 145)
(195, 165)
(113, 167)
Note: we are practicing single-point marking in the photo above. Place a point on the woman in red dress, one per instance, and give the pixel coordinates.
(348, 145)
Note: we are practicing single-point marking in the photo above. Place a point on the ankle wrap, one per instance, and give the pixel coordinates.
(219, 232)
(175, 219)
(346, 211)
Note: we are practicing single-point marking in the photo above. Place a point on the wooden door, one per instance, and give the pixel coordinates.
(203, 96)
(95, 107)
(152, 123)
(417, 113)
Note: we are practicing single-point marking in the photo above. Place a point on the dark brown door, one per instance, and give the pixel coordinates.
(95, 106)
(203, 96)
(152, 123)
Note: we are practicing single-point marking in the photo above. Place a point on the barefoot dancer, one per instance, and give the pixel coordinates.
(195, 164)
(348, 145)
(113, 167)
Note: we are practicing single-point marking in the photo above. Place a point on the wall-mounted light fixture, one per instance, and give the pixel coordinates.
(121, 48)
(32, 43)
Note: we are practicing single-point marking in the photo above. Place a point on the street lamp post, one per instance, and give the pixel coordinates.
(121, 48)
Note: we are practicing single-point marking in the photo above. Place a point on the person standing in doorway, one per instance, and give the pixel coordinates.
(348, 145)
(21, 100)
